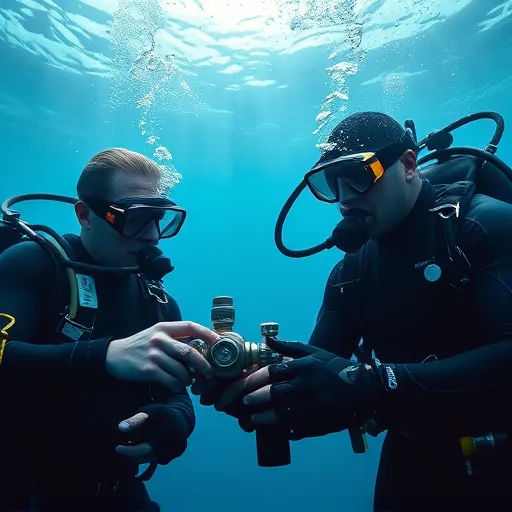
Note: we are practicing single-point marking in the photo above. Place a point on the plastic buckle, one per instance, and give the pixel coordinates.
(455, 210)
(152, 287)
(491, 148)
(72, 329)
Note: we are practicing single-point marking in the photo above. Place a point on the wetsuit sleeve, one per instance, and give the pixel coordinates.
(26, 276)
(180, 402)
(482, 375)
(336, 328)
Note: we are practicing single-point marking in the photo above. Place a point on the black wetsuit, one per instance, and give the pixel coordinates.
(405, 319)
(62, 408)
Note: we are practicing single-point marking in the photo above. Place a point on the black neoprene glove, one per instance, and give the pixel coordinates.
(319, 392)
(165, 430)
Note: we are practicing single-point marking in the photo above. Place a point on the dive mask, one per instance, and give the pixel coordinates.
(131, 216)
(329, 180)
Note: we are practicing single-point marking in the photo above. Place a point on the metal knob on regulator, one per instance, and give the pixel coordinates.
(231, 354)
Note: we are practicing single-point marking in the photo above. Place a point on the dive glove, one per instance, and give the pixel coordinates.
(165, 430)
(318, 392)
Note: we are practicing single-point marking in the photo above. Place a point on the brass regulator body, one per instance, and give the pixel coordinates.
(231, 354)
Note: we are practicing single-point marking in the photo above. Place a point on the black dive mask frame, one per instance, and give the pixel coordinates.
(151, 261)
(438, 142)
(117, 213)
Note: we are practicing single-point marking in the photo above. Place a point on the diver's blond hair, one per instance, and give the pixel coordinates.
(97, 175)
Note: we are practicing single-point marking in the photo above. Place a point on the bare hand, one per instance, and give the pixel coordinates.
(157, 355)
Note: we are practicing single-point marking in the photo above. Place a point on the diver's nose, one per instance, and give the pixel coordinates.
(347, 194)
(349, 203)
(151, 233)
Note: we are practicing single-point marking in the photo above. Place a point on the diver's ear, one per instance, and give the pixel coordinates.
(83, 214)
(409, 161)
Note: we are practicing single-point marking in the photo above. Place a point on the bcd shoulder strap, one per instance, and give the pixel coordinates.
(451, 205)
(78, 319)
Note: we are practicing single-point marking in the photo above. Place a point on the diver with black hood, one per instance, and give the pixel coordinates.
(423, 297)
(93, 364)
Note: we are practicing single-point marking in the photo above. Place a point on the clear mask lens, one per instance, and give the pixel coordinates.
(139, 218)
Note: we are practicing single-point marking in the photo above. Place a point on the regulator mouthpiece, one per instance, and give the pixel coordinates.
(152, 262)
(352, 231)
